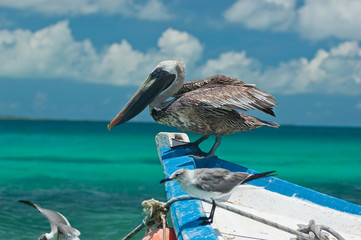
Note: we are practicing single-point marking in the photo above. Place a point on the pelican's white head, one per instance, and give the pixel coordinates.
(163, 82)
(172, 66)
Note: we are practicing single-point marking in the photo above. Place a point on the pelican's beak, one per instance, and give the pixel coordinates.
(166, 180)
(156, 82)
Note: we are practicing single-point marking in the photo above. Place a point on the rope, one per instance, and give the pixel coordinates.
(158, 211)
(315, 231)
(136, 230)
(156, 215)
(259, 219)
(309, 232)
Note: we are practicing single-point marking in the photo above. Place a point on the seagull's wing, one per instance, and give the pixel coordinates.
(224, 92)
(68, 231)
(57, 221)
(218, 179)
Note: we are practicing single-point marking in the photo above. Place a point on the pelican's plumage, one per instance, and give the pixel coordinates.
(207, 106)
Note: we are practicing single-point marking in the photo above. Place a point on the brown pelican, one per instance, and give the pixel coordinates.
(207, 106)
(60, 227)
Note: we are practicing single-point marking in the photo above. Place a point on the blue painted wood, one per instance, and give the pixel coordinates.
(285, 188)
(185, 214)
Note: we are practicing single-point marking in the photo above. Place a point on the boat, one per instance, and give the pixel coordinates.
(284, 204)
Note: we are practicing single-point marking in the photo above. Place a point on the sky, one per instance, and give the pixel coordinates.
(84, 59)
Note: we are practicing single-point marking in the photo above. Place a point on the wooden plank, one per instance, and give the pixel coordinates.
(271, 198)
(185, 214)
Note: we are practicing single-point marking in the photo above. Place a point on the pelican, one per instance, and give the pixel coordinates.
(207, 106)
(60, 227)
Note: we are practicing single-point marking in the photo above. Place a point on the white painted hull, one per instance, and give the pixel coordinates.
(273, 199)
(288, 211)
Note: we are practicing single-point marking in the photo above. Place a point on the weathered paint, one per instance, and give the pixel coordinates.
(286, 188)
(186, 213)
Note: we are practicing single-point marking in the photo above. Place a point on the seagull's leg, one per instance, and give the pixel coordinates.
(194, 144)
(212, 211)
(209, 220)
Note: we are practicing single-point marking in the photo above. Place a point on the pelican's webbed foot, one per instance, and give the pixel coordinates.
(192, 145)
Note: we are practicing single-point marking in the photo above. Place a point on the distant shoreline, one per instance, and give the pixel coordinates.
(13, 118)
(48, 119)
(60, 119)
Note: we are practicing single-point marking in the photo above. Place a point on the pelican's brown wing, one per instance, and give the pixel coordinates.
(224, 92)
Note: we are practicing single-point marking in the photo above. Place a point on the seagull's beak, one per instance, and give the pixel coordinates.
(156, 82)
(165, 180)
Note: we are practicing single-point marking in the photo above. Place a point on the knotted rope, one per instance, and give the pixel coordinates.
(157, 214)
(315, 231)
(158, 211)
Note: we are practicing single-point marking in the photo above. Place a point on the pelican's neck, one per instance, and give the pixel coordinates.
(158, 102)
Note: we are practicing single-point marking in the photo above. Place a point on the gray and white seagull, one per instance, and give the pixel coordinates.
(212, 183)
(60, 227)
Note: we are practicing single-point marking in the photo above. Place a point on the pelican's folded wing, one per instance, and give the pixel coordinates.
(225, 92)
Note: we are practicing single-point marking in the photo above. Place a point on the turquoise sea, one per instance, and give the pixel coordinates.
(98, 179)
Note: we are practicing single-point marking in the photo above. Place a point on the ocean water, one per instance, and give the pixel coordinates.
(98, 179)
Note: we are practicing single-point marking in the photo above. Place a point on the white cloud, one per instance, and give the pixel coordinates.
(180, 45)
(49, 52)
(52, 52)
(263, 14)
(153, 10)
(150, 9)
(232, 63)
(315, 19)
(335, 71)
(125, 65)
(330, 18)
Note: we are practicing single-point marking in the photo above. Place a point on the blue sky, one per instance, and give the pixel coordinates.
(83, 59)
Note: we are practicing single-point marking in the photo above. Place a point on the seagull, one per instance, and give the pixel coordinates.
(212, 184)
(207, 106)
(60, 227)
